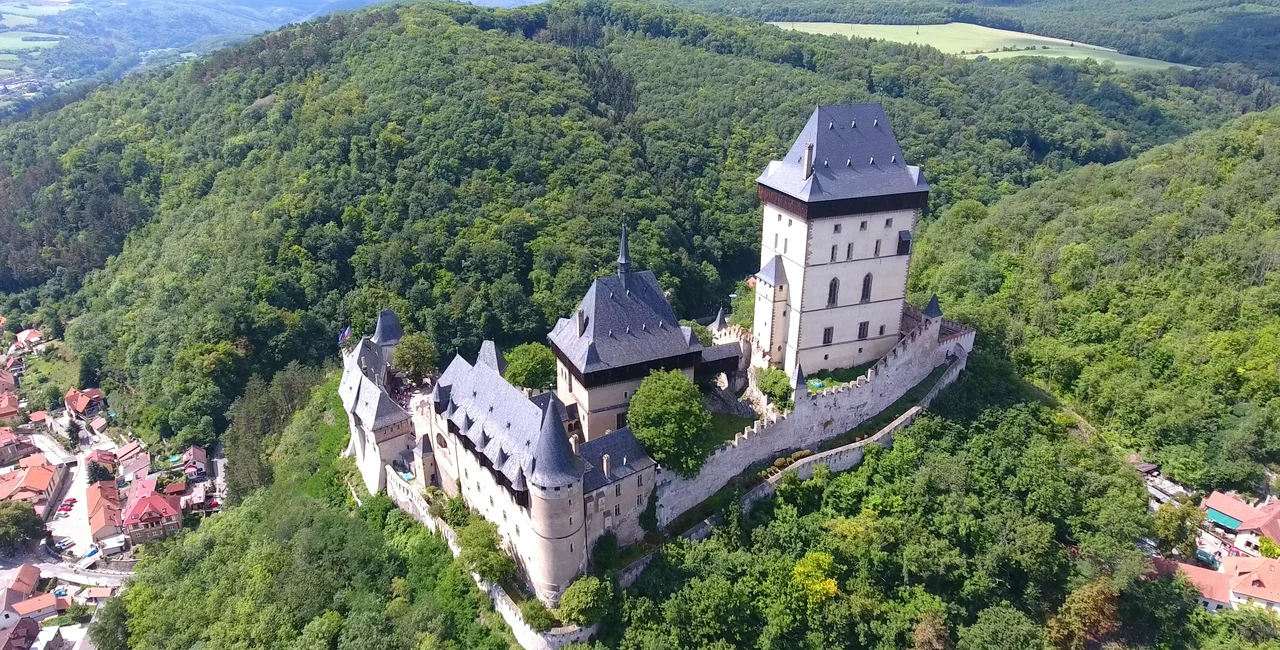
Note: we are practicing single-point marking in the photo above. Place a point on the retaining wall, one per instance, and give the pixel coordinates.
(415, 505)
(816, 417)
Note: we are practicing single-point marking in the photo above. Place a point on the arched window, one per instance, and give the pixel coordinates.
(833, 292)
(866, 288)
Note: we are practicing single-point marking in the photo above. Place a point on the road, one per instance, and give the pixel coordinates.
(48, 567)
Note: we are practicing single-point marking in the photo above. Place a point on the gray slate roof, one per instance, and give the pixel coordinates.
(361, 388)
(490, 356)
(388, 330)
(933, 309)
(625, 325)
(772, 273)
(626, 457)
(856, 155)
(522, 438)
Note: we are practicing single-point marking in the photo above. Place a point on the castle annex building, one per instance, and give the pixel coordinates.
(554, 471)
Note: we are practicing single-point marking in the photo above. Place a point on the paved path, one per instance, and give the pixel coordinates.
(9, 566)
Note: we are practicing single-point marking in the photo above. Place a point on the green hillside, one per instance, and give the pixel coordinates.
(1195, 32)
(1148, 292)
(471, 168)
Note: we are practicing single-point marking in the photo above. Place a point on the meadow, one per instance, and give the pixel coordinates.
(16, 41)
(972, 41)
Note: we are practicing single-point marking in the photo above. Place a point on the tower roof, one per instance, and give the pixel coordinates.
(855, 155)
(624, 254)
(491, 357)
(388, 331)
(797, 378)
(933, 310)
(554, 462)
(719, 322)
(773, 274)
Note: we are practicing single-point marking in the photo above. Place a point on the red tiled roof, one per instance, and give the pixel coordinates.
(145, 504)
(7, 437)
(8, 405)
(197, 454)
(7, 380)
(29, 335)
(33, 605)
(12, 362)
(128, 450)
(177, 487)
(38, 416)
(1265, 519)
(26, 579)
(101, 457)
(103, 501)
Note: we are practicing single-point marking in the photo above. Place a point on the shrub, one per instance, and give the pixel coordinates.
(456, 512)
(482, 553)
(803, 453)
(586, 600)
(775, 385)
(605, 553)
(531, 365)
(537, 615)
(668, 418)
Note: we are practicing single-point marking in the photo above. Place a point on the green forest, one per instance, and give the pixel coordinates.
(1147, 292)
(1196, 32)
(470, 168)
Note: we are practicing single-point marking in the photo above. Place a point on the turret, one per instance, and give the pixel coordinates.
(557, 543)
(799, 385)
(387, 334)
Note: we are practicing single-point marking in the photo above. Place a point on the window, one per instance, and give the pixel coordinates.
(877, 254)
(775, 241)
(622, 420)
(862, 329)
(779, 216)
(788, 223)
(866, 288)
(617, 490)
(833, 292)
(638, 500)
(828, 335)
(862, 226)
(617, 510)
(837, 229)
(888, 223)
(882, 330)
(904, 242)
(570, 547)
(848, 252)
(640, 480)
(784, 245)
(833, 252)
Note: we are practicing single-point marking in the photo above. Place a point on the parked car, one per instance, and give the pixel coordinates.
(65, 544)
(71, 500)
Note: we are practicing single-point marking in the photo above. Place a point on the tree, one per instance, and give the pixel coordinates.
(775, 385)
(416, 355)
(1001, 628)
(109, 629)
(482, 552)
(537, 615)
(586, 600)
(1088, 617)
(531, 365)
(1268, 548)
(931, 633)
(97, 472)
(19, 523)
(813, 575)
(1177, 526)
(667, 417)
(321, 633)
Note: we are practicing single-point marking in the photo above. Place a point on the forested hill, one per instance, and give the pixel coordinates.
(1198, 32)
(470, 168)
(1147, 291)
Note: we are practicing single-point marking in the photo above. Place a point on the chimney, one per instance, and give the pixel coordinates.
(808, 160)
(573, 442)
(604, 461)
(582, 322)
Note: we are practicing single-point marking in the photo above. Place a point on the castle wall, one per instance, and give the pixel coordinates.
(816, 417)
(412, 502)
(600, 406)
(617, 508)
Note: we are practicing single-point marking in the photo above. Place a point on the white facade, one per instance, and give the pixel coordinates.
(845, 286)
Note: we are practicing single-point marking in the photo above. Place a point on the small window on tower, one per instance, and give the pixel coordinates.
(833, 252)
(788, 223)
(882, 330)
(779, 216)
(848, 252)
(617, 510)
(784, 245)
(775, 241)
(863, 327)
(862, 226)
(888, 223)
(837, 230)
(828, 335)
(877, 248)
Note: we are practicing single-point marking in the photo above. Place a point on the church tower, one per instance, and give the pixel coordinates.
(839, 213)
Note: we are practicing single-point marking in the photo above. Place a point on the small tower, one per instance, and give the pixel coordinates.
(387, 334)
(557, 543)
(933, 309)
(624, 257)
(799, 385)
(839, 211)
(491, 357)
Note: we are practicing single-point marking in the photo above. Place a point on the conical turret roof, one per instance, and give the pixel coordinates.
(388, 330)
(933, 309)
(554, 462)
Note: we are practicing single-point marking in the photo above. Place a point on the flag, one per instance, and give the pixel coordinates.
(344, 335)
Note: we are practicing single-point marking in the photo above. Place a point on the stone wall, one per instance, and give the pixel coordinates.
(414, 504)
(817, 416)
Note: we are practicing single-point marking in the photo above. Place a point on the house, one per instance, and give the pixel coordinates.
(84, 404)
(29, 340)
(50, 638)
(14, 447)
(26, 580)
(16, 365)
(98, 425)
(1243, 522)
(7, 381)
(1239, 581)
(103, 458)
(136, 467)
(105, 516)
(38, 608)
(8, 597)
(20, 635)
(176, 488)
(150, 515)
(35, 482)
(99, 594)
(8, 405)
(197, 499)
(38, 418)
(129, 451)
(194, 460)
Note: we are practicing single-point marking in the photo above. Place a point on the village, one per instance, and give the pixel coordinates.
(99, 494)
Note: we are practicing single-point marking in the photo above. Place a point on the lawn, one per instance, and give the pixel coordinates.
(883, 418)
(56, 368)
(975, 40)
(837, 377)
(14, 20)
(724, 427)
(14, 41)
(23, 9)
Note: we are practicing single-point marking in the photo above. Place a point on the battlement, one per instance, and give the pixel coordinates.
(821, 415)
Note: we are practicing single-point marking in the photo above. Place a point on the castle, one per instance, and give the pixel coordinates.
(554, 471)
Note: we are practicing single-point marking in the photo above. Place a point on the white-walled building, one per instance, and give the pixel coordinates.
(839, 212)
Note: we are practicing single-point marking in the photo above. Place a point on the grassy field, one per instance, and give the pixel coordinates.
(974, 40)
(51, 373)
(13, 41)
(24, 9)
(14, 20)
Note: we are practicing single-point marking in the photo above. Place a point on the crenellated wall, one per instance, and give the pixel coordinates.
(819, 416)
(410, 500)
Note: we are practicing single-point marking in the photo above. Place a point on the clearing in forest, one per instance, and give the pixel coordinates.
(975, 40)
